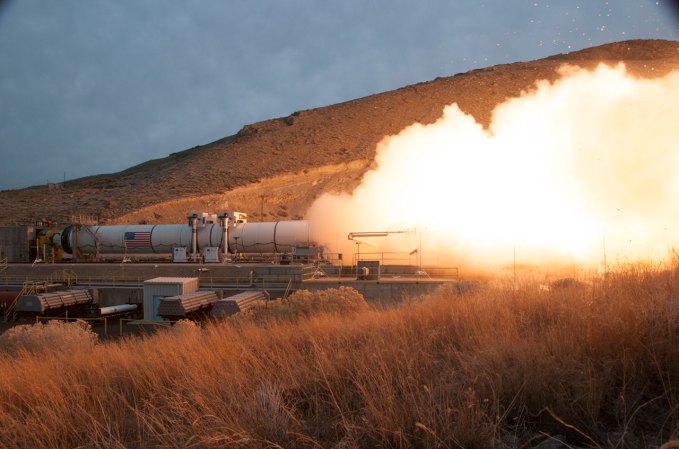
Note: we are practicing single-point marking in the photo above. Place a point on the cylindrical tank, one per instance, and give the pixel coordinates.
(137, 239)
(263, 237)
(269, 237)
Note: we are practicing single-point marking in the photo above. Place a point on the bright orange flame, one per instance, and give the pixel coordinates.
(565, 173)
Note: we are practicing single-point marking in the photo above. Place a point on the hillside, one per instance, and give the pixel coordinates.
(281, 165)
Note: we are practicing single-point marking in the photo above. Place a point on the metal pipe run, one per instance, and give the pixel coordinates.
(122, 308)
(353, 235)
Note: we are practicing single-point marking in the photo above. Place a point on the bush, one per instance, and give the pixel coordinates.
(55, 336)
(592, 365)
(305, 303)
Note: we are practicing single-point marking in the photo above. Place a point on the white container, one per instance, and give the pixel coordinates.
(179, 254)
(159, 288)
(211, 254)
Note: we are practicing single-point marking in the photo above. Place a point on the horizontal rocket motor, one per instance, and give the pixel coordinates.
(263, 237)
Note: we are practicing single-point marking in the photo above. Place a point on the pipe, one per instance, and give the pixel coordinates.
(121, 308)
(194, 238)
(353, 235)
(224, 222)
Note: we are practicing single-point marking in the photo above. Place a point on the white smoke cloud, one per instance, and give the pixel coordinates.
(565, 173)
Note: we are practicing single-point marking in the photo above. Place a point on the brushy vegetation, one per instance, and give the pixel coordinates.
(54, 336)
(593, 365)
(304, 304)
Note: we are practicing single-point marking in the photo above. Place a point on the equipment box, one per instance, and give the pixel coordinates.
(368, 270)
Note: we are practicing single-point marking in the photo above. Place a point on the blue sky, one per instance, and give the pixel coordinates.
(96, 86)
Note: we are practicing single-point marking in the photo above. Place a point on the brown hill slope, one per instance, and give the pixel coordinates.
(281, 165)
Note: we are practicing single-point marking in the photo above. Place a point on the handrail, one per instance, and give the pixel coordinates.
(386, 257)
(261, 280)
(287, 290)
(10, 311)
(68, 277)
(122, 321)
(395, 272)
(307, 272)
(265, 281)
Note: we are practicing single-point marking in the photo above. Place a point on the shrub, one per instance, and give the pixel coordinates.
(305, 304)
(593, 365)
(55, 336)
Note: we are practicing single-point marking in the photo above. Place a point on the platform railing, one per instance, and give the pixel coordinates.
(264, 281)
(155, 323)
(28, 288)
(122, 322)
(10, 311)
(287, 289)
(66, 276)
(388, 258)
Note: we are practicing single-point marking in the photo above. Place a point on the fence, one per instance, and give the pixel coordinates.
(253, 279)
(404, 272)
(105, 320)
(387, 258)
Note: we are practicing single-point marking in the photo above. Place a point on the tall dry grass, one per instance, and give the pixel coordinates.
(593, 365)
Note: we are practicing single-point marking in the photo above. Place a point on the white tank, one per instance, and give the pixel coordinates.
(269, 237)
(265, 237)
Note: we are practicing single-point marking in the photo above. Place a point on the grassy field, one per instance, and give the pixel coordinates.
(591, 365)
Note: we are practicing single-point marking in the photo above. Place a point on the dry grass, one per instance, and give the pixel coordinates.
(594, 365)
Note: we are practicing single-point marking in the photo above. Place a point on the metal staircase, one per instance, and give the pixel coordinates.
(29, 288)
(65, 276)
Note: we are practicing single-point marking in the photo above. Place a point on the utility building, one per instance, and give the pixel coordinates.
(158, 288)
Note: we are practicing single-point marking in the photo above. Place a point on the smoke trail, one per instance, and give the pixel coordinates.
(566, 172)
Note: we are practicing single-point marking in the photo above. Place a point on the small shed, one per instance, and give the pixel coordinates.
(158, 288)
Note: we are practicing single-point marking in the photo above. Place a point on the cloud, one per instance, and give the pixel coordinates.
(137, 80)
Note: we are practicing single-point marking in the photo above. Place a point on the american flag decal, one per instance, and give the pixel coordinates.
(137, 239)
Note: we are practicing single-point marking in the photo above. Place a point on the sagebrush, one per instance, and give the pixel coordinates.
(593, 364)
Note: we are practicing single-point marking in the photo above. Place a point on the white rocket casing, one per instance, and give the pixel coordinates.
(264, 237)
(269, 237)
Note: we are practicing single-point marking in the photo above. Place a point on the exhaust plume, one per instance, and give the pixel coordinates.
(572, 172)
